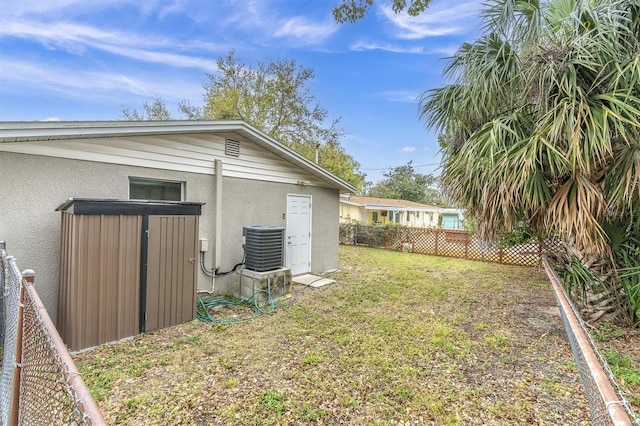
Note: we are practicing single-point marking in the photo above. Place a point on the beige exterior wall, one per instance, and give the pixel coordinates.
(34, 186)
(419, 219)
(350, 214)
(264, 203)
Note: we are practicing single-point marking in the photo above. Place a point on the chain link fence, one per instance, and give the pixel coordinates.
(39, 381)
(10, 280)
(607, 403)
(3, 293)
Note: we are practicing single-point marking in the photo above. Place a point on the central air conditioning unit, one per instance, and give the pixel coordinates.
(263, 247)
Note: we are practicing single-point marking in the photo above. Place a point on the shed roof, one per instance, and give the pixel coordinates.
(37, 131)
(101, 206)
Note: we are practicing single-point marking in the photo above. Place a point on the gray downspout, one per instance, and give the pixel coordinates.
(217, 227)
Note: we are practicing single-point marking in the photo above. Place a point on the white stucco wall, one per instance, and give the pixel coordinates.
(33, 186)
(264, 203)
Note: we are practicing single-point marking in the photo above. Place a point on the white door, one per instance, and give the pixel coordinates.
(298, 234)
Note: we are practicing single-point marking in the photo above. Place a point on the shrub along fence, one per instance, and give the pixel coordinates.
(443, 242)
(39, 382)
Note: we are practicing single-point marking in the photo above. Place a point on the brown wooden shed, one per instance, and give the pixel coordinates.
(126, 267)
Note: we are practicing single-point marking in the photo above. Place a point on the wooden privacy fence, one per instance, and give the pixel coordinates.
(445, 243)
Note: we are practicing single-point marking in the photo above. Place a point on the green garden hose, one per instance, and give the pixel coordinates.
(206, 305)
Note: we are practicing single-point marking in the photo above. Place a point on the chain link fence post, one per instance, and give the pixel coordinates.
(27, 275)
(9, 387)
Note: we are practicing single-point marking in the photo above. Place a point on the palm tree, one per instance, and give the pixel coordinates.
(541, 127)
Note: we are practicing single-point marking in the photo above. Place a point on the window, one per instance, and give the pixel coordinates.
(374, 217)
(149, 189)
(430, 217)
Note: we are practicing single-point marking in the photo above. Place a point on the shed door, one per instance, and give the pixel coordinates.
(299, 233)
(171, 271)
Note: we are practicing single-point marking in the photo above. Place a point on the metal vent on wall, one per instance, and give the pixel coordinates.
(232, 148)
(263, 247)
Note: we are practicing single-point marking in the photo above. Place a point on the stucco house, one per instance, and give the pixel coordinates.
(372, 210)
(452, 218)
(225, 174)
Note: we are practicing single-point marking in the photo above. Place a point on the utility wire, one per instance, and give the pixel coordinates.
(387, 168)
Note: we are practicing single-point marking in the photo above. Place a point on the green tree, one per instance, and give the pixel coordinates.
(274, 97)
(541, 124)
(404, 183)
(154, 110)
(353, 10)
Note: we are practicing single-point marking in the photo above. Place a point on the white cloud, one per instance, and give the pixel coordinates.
(363, 45)
(440, 19)
(50, 8)
(52, 119)
(400, 96)
(408, 149)
(22, 76)
(307, 31)
(77, 39)
(168, 59)
(442, 50)
(175, 6)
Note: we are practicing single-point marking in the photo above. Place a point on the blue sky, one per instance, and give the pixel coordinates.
(84, 60)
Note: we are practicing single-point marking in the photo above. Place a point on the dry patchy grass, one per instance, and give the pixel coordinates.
(398, 339)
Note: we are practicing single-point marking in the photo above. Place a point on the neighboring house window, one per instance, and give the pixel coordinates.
(374, 216)
(430, 217)
(151, 189)
(417, 215)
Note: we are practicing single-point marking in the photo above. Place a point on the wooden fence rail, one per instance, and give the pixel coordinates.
(445, 243)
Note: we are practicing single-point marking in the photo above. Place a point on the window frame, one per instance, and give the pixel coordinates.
(142, 180)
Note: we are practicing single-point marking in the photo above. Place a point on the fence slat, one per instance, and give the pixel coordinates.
(442, 242)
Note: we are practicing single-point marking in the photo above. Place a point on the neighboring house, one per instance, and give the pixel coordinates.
(372, 210)
(226, 174)
(451, 219)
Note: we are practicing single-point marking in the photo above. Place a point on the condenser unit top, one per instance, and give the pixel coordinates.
(263, 247)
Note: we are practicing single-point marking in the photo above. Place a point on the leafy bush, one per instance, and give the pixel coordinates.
(517, 236)
(374, 236)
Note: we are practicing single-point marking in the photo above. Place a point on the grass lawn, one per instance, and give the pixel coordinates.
(399, 339)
